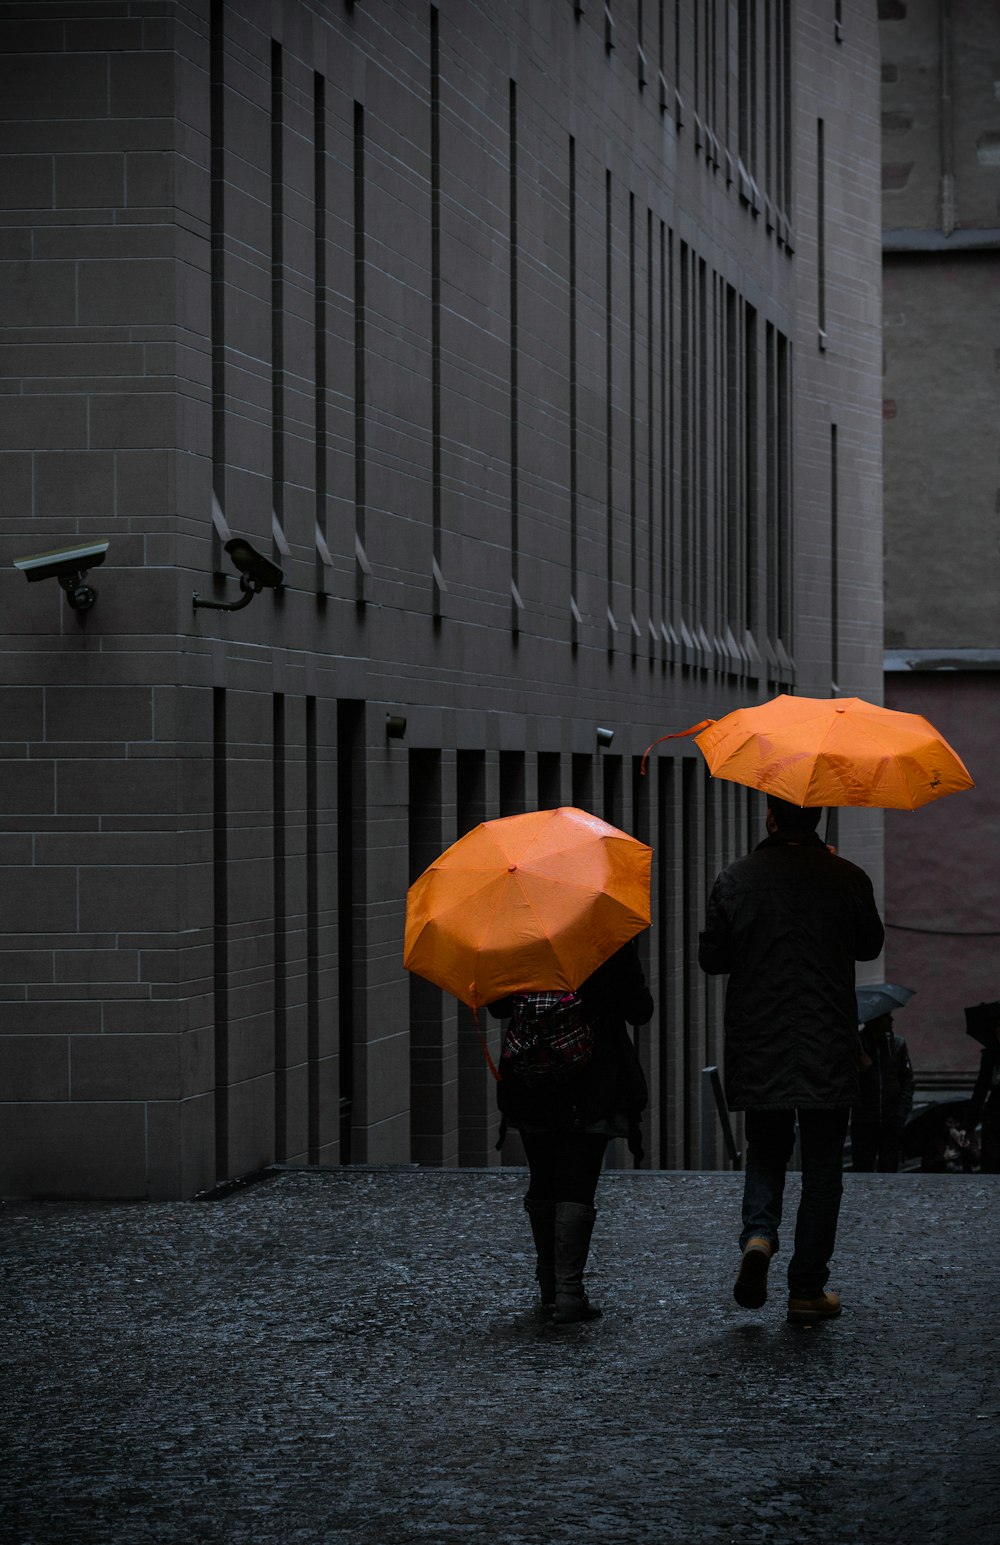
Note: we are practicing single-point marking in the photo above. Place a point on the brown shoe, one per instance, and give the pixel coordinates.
(750, 1287)
(807, 1311)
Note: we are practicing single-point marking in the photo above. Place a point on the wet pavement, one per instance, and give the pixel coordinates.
(352, 1355)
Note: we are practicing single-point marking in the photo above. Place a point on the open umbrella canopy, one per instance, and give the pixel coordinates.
(880, 998)
(526, 903)
(834, 751)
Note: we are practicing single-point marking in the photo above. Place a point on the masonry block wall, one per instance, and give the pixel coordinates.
(537, 346)
(941, 237)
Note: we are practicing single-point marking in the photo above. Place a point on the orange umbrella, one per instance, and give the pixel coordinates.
(527, 903)
(834, 751)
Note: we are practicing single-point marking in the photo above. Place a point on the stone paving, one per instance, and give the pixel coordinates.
(352, 1355)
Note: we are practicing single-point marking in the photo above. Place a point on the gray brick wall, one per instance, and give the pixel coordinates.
(522, 389)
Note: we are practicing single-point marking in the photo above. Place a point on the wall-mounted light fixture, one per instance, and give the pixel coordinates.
(256, 574)
(68, 565)
(604, 736)
(395, 725)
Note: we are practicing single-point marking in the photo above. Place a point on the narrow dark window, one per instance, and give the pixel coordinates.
(821, 231)
(217, 224)
(582, 772)
(323, 560)
(665, 924)
(313, 1134)
(277, 298)
(515, 471)
(549, 780)
(426, 1001)
(771, 511)
(279, 854)
(350, 901)
(686, 433)
(770, 103)
(633, 471)
(513, 791)
(654, 409)
(701, 553)
(437, 586)
(220, 948)
(609, 402)
(360, 303)
(574, 446)
(689, 929)
(611, 800)
(834, 562)
(751, 414)
(734, 484)
(783, 564)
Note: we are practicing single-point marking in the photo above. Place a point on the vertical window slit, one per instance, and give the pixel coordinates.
(277, 298)
(609, 404)
(574, 449)
(217, 224)
(279, 851)
(220, 948)
(360, 493)
(514, 384)
(323, 561)
(437, 586)
(312, 936)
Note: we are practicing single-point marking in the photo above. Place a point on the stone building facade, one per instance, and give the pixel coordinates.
(538, 347)
(941, 218)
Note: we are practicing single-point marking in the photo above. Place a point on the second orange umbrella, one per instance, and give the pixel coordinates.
(834, 751)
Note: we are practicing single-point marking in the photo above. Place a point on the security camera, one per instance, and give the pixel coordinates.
(260, 571)
(68, 565)
(256, 574)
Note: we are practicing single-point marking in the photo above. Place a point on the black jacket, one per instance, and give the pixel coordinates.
(612, 1088)
(886, 1084)
(787, 923)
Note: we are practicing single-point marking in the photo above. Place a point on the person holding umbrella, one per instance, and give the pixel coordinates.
(534, 915)
(886, 1082)
(787, 924)
(566, 1125)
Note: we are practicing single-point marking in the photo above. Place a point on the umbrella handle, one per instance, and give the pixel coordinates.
(677, 735)
(485, 1045)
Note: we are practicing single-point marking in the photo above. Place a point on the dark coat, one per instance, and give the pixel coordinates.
(787, 923)
(612, 1088)
(886, 1084)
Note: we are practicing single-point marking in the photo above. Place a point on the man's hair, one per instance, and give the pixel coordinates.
(799, 817)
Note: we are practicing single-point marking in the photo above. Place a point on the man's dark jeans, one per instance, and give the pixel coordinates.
(770, 1137)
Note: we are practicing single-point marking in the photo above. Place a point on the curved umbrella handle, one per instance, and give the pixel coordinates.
(677, 735)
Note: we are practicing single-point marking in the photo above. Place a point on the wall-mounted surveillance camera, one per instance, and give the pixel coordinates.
(604, 736)
(257, 573)
(68, 565)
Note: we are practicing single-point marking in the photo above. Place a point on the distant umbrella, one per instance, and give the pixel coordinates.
(880, 998)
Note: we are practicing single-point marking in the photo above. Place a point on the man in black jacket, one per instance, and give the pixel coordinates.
(787, 924)
(886, 1099)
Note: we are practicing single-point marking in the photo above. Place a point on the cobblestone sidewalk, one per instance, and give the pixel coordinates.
(351, 1356)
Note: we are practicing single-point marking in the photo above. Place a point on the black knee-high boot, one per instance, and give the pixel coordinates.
(542, 1216)
(574, 1226)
